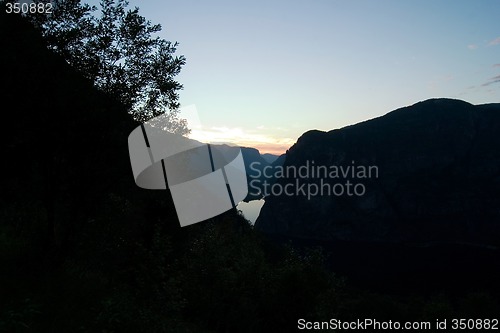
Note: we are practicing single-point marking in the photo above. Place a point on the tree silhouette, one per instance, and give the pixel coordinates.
(118, 52)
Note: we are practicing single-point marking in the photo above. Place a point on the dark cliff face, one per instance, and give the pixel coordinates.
(60, 128)
(256, 165)
(437, 178)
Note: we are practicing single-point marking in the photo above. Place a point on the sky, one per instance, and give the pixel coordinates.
(261, 73)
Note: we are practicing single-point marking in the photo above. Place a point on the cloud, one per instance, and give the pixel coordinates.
(495, 41)
(255, 138)
(491, 82)
(495, 79)
(472, 46)
(496, 65)
(244, 138)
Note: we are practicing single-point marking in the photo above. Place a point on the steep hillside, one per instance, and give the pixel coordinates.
(437, 179)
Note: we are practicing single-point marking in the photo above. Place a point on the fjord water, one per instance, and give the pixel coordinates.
(251, 209)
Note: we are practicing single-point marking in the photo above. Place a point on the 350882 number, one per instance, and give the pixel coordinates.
(28, 8)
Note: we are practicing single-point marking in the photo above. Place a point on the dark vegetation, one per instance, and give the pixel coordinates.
(119, 51)
(82, 249)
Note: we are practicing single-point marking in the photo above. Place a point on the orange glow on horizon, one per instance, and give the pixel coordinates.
(239, 137)
(269, 148)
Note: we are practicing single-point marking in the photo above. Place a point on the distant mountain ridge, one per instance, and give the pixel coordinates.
(270, 158)
(255, 163)
(439, 178)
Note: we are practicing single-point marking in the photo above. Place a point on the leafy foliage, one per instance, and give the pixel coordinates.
(118, 51)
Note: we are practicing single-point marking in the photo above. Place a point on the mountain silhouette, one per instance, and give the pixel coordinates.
(438, 179)
(270, 158)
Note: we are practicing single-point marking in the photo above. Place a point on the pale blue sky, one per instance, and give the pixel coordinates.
(267, 71)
